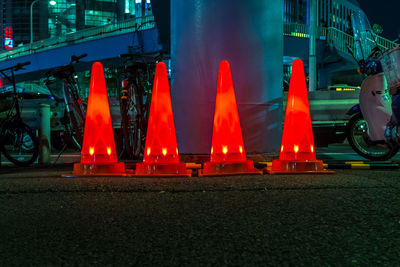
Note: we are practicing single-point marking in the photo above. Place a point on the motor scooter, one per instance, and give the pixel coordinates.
(371, 120)
(372, 129)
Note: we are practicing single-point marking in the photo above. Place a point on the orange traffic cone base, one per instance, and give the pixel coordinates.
(231, 168)
(112, 169)
(162, 170)
(297, 167)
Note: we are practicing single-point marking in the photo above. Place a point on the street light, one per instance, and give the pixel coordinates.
(52, 2)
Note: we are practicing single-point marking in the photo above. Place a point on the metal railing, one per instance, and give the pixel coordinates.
(340, 40)
(142, 23)
(302, 30)
(337, 38)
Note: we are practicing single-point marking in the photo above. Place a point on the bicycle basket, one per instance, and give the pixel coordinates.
(391, 67)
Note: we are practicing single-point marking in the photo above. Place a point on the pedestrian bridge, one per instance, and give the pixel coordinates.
(103, 44)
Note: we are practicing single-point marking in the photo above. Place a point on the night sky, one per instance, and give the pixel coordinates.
(386, 13)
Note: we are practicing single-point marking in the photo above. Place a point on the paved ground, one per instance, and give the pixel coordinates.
(350, 218)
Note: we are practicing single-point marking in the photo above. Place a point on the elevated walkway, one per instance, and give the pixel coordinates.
(103, 44)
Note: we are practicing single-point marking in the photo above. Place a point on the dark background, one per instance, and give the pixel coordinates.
(384, 12)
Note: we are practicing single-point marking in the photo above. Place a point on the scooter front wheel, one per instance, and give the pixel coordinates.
(357, 135)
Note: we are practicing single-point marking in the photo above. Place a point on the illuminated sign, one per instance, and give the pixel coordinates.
(8, 39)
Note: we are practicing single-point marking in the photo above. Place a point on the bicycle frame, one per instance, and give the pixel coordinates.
(74, 117)
(13, 130)
(137, 91)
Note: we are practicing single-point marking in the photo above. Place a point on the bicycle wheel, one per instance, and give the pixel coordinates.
(357, 135)
(19, 144)
(125, 135)
(76, 112)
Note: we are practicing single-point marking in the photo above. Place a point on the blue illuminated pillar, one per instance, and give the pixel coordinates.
(249, 34)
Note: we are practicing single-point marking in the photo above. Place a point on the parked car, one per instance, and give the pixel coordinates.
(328, 110)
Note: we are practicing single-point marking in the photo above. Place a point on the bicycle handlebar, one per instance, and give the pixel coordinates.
(77, 58)
(24, 64)
(18, 66)
(66, 68)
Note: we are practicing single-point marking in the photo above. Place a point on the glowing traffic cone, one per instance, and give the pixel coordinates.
(98, 156)
(161, 156)
(227, 151)
(297, 149)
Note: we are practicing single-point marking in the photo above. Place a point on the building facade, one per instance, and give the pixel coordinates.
(332, 13)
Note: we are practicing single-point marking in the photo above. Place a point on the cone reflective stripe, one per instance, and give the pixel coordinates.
(98, 156)
(297, 154)
(161, 157)
(227, 150)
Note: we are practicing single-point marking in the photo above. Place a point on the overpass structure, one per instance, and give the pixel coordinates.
(103, 44)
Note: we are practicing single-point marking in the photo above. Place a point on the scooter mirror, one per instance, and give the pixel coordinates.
(377, 29)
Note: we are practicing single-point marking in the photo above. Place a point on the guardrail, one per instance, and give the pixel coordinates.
(142, 23)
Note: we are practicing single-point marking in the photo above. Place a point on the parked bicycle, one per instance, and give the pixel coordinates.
(18, 141)
(135, 102)
(73, 119)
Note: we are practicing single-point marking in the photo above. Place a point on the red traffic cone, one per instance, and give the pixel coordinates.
(297, 149)
(227, 151)
(161, 156)
(98, 156)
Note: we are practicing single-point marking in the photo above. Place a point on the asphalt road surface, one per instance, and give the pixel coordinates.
(351, 218)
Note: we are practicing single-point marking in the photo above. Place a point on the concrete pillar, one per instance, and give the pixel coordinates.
(44, 135)
(249, 34)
